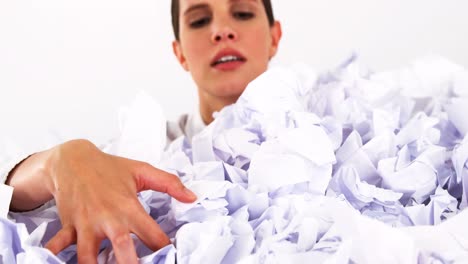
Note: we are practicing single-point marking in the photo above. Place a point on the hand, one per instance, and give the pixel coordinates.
(96, 198)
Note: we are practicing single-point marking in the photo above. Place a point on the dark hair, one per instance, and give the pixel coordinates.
(175, 15)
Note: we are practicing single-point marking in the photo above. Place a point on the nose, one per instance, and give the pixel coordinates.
(223, 34)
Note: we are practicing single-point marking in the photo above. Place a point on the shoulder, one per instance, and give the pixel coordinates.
(176, 128)
(186, 125)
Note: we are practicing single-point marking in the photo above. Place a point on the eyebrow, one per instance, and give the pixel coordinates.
(196, 7)
(206, 6)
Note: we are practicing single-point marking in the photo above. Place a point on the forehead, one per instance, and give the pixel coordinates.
(184, 5)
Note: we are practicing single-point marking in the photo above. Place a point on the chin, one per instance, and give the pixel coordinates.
(232, 90)
(230, 87)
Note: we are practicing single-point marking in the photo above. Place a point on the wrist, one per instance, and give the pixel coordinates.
(45, 172)
(30, 180)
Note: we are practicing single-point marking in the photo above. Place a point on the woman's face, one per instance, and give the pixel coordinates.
(225, 44)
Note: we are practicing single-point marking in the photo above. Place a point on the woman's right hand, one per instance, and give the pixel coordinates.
(96, 198)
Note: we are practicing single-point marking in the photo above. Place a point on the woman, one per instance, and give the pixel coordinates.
(224, 44)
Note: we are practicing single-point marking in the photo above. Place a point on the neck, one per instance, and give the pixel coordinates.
(210, 104)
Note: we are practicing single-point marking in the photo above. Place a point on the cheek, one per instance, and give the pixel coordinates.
(193, 58)
(195, 51)
(259, 42)
(259, 55)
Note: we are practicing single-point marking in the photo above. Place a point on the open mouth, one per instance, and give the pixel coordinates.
(227, 59)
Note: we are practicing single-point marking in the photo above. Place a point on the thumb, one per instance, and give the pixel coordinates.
(151, 178)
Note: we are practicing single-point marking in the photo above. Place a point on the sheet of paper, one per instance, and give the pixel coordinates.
(6, 193)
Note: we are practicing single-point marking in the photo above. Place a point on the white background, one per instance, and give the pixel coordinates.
(67, 66)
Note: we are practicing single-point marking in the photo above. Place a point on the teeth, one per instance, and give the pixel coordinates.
(228, 59)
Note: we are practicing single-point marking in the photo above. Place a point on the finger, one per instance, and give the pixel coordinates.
(87, 246)
(122, 243)
(149, 231)
(151, 178)
(64, 238)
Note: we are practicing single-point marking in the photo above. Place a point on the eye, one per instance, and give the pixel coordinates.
(198, 23)
(241, 15)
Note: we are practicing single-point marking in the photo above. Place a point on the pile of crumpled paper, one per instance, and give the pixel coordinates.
(347, 166)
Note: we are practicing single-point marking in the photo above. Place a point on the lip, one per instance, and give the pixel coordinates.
(228, 65)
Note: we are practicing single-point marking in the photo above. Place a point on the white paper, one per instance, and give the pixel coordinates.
(6, 193)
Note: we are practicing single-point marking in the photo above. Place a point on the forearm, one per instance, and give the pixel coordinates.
(31, 181)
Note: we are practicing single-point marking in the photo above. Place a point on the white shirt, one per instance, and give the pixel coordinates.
(186, 125)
